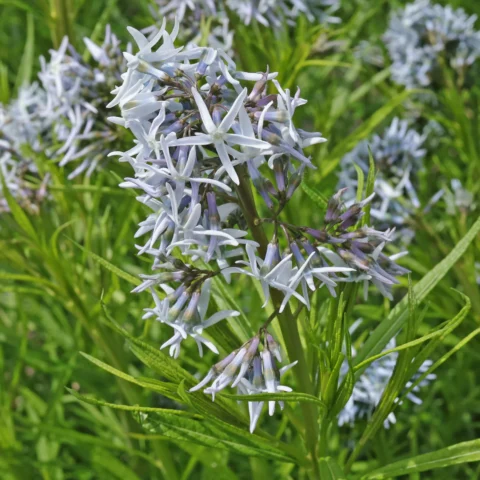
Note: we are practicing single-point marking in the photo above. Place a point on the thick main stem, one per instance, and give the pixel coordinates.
(288, 323)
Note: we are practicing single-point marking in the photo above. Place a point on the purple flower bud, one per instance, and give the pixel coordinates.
(167, 236)
(222, 364)
(260, 184)
(280, 116)
(271, 137)
(213, 216)
(217, 115)
(350, 217)
(257, 375)
(184, 203)
(296, 253)
(318, 234)
(175, 127)
(181, 154)
(309, 249)
(258, 88)
(353, 260)
(195, 194)
(279, 174)
(263, 102)
(334, 208)
(169, 117)
(295, 181)
(273, 346)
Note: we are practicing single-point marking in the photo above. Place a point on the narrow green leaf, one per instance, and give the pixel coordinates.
(279, 396)
(438, 335)
(331, 388)
(441, 361)
(129, 408)
(19, 4)
(27, 278)
(369, 189)
(455, 454)
(18, 214)
(4, 85)
(394, 386)
(360, 182)
(330, 470)
(151, 384)
(207, 433)
(56, 233)
(344, 392)
(24, 74)
(325, 63)
(366, 87)
(109, 266)
(394, 322)
(80, 440)
(159, 362)
(318, 198)
(102, 458)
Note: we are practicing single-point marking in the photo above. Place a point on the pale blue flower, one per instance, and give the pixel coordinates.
(422, 33)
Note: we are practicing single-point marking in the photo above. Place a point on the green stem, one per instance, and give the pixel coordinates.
(61, 14)
(323, 445)
(288, 323)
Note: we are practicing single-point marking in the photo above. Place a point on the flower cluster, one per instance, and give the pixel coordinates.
(207, 21)
(252, 372)
(277, 12)
(75, 97)
(398, 154)
(204, 132)
(369, 53)
(202, 22)
(458, 199)
(22, 126)
(368, 390)
(63, 116)
(423, 35)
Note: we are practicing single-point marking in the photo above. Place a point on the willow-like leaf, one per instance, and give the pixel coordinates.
(109, 266)
(459, 453)
(394, 322)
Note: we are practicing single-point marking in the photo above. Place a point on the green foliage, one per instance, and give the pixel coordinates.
(122, 408)
(459, 453)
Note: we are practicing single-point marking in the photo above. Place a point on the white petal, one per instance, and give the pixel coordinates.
(204, 113)
(232, 113)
